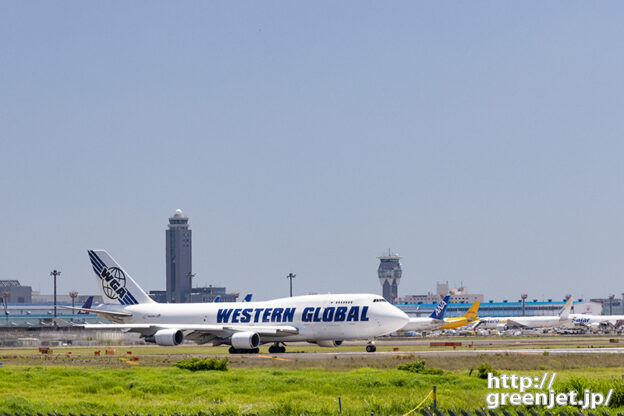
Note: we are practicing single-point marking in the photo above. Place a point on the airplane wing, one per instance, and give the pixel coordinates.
(515, 324)
(199, 332)
(110, 315)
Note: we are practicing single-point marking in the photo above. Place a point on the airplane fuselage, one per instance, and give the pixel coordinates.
(337, 317)
(596, 320)
(522, 322)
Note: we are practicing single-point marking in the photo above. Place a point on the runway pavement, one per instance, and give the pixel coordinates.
(449, 353)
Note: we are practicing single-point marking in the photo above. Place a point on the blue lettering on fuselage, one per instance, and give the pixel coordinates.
(246, 315)
(288, 315)
(281, 315)
(223, 315)
(364, 312)
(306, 316)
(235, 315)
(340, 314)
(328, 314)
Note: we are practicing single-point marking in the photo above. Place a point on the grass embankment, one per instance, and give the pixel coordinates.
(242, 391)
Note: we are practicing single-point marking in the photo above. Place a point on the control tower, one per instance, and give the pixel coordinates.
(389, 273)
(178, 257)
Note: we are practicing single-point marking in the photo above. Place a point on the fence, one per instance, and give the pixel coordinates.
(423, 411)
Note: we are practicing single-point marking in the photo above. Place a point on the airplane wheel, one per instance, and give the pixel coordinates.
(272, 349)
(371, 348)
(254, 351)
(233, 350)
(281, 349)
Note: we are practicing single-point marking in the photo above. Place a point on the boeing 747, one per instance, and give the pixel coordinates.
(325, 320)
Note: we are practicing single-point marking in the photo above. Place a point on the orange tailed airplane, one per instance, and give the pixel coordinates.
(469, 317)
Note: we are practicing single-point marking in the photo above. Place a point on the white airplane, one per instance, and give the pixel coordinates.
(433, 321)
(597, 321)
(553, 321)
(326, 320)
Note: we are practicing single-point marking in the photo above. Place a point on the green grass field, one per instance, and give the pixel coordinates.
(243, 391)
(74, 379)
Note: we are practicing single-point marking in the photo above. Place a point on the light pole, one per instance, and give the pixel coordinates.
(291, 276)
(54, 273)
(73, 296)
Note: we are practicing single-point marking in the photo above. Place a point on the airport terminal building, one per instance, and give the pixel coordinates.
(504, 308)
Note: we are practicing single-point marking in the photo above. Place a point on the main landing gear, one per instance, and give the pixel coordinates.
(233, 350)
(370, 347)
(277, 349)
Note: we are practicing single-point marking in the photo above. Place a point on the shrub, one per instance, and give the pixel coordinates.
(484, 369)
(414, 367)
(203, 364)
(419, 367)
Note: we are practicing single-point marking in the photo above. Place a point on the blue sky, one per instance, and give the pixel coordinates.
(482, 141)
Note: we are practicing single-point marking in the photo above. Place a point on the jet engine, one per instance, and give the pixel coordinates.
(245, 340)
(330, 343)
(167, 337)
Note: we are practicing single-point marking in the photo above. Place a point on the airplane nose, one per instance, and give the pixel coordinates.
(402, 317)
(397, 318)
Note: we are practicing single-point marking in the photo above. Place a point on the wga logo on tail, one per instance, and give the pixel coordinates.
(113, 282)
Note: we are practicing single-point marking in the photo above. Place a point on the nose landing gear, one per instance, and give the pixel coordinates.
(370, 347)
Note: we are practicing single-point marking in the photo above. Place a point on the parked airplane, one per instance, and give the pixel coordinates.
(551, 321)
(469, 317)
(325, 320)
(432, 322)
(217, 299)
(86, 305)
(597, 321)
(247, 297)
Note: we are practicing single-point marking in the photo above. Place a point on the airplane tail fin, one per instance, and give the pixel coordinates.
(472, 311)
(438, 313)
(87, 305)
(247, 298)
(565, 311)
(116, 285)
(217, 299)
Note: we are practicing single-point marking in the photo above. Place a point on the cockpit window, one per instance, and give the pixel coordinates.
(380, 300)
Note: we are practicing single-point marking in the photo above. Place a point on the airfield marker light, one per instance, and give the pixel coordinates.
(435, 397)
(339, 404)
